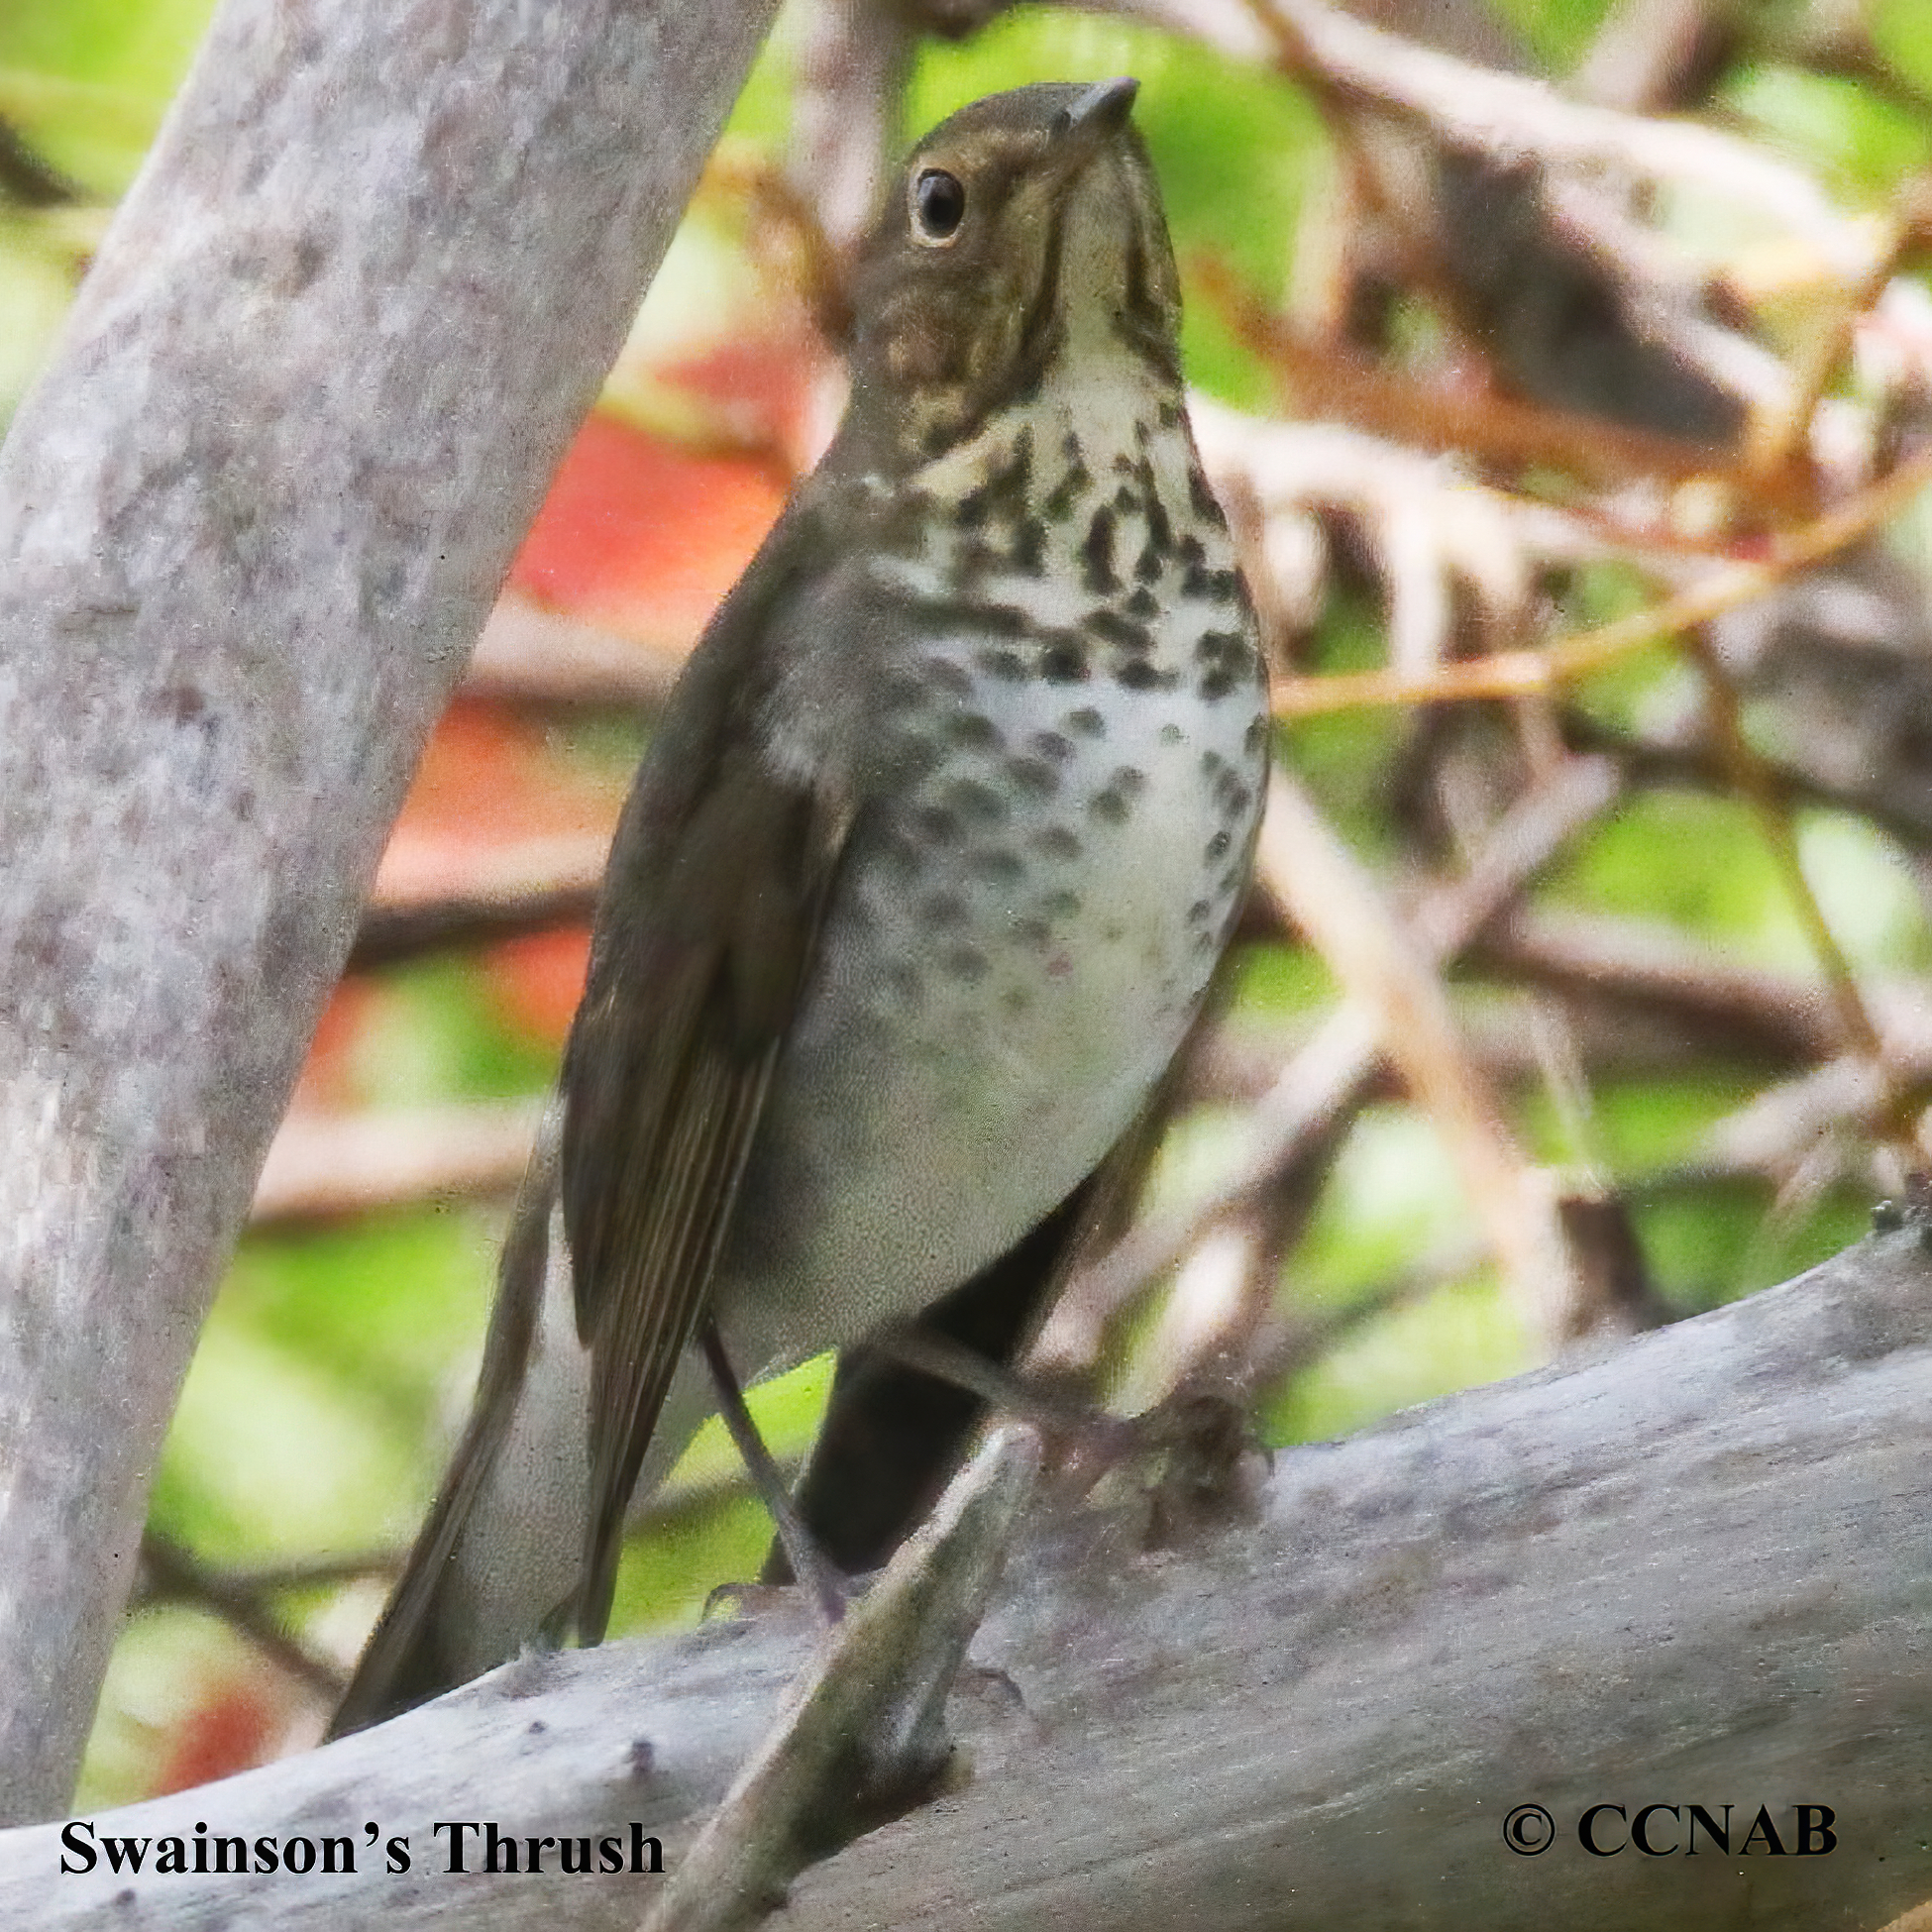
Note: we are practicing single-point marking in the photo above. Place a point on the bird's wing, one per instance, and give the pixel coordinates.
(717, 887)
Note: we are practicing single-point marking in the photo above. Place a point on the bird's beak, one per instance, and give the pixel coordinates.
(1103, 107)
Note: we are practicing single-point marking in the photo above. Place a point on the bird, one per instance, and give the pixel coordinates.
(920, 888)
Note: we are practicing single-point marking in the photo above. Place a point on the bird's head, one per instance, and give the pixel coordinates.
(1022, 247)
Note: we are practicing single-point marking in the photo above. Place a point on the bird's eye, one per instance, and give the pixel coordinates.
(938, 205)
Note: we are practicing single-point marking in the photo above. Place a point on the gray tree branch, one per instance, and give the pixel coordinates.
(251, 522)
(1691, 1569)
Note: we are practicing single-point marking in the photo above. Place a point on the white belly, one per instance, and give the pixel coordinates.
(1015, 956)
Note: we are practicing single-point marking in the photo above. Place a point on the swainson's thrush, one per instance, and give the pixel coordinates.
(920, 883)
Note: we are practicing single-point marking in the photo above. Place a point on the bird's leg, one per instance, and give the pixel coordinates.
(1200, 1438)
(1000, 1387)
(810, 1566)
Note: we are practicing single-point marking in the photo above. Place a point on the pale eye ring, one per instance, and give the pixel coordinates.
(938, 205)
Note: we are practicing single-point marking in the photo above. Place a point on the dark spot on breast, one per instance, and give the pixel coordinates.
(943, 675)
(966, 963)
(1067, 493)
(1144, 604)
(1063, 661)
(1109, 806)
(1225, 657)
(1028, 551)
(1010, 667)
(1231, 792)
(998, 863)
(968, 614)
(972, 730)
(974, 560)
(1139, 675)
(1057, 842)
(1050, 744)
(1004, 493)
(1201, 500)
(977, 804)
(1032, 934)
(1218, 847)
(1128, 780)
(1060, 904)
(1159, 545)
(902, 690)
(1086, 723)
(1097, 554)
(1170, 734)
(913, 755)
(1033, 776)
(1111, 628)
(936, 824)
(1199, 912)
(943, 910)
(1125, 501)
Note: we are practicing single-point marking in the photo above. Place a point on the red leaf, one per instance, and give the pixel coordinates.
(642, 537)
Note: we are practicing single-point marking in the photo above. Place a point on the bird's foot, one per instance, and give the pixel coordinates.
(1194, 1458)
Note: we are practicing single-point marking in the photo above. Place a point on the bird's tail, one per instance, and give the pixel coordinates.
(501, 1547)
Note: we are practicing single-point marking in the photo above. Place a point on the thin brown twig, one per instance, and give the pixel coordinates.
(1655, 973)
(313, 1573)
(177, 1573)
(1508, 116)
(1339, 384)
(1519, 674)
(815, 263)
(1328, 1079)
(1779, 430)
(1695, 763)
(1398, 983)
(325, 1165)
(1771, 812)
(530, 655)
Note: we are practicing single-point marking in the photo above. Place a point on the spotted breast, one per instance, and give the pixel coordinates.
(1070, 711)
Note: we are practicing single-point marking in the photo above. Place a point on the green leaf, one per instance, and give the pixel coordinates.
(1855, 136)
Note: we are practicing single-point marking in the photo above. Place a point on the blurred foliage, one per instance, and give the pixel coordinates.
(338, 1363)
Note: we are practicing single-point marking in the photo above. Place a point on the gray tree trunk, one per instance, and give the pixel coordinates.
(1691, 1571)
(251, 521)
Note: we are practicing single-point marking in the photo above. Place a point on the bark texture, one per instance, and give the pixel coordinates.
(251, 522)
(1695, 1569)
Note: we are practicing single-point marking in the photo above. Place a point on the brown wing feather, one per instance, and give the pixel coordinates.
(670, 1060)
